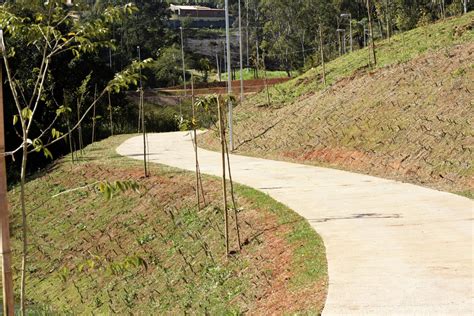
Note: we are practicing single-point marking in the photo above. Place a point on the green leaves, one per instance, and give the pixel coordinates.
(116, 14)
(186, 124)
(63, 109)
(26, 113)
(39, 147)
(109, 190)
(129, 76)
(56, 134)
(99, 264)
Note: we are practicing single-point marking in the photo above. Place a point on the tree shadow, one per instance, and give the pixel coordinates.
(355, 216)
(255, 236)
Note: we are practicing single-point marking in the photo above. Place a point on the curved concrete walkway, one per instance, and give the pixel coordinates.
(392, 248)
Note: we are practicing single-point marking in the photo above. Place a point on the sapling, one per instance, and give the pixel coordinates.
(53, 32)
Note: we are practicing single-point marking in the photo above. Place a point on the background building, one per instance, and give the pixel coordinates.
(196, 16)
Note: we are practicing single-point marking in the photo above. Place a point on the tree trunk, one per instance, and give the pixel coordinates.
(372, 44)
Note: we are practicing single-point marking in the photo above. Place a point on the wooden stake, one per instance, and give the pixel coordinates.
(111, 116)
(234, 204)
(266, 82)
(196, 158)
(224, 185)
(322, 53)
(5, 251)
(142, 107)
(93, 115)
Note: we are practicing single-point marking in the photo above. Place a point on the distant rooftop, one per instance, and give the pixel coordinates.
(196, 16)
(174, 7)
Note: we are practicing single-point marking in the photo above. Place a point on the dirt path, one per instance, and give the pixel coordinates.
(392, 248)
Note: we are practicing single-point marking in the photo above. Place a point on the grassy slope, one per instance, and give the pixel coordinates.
(153, 252)
(411, 119)
(249, 75)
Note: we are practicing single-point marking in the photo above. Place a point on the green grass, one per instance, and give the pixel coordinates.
(409, 119)
(468, 193)
(309, 261)
(248, 74)
(399, 49)
(145, 253)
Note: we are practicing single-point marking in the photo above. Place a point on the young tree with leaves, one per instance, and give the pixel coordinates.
(53, 31)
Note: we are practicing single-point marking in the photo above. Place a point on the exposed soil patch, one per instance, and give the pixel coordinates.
(410, 122)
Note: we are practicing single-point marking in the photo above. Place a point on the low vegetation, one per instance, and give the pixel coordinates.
(410, 119)
(153, 251)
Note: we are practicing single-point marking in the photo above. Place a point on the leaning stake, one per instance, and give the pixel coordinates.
(224, 188)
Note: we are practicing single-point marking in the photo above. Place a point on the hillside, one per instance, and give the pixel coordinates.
(410, 119)
(153, 252)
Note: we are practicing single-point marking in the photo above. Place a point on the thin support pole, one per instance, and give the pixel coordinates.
(93, 115)
(350, 28)
(182, 57)
(247, 30)
(5, 250)
(321, 48)
(234, 204)
(224, 185)
(229, 78)
(241, 57)
(142, 114)
(111, 117)
(196, 158)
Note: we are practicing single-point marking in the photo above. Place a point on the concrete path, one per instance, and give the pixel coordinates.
(392, 248)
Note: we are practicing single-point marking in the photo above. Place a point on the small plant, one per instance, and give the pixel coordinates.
(145, 239)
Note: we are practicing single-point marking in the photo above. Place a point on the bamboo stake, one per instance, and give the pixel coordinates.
(266, 82)
(5, 251)
(111, 116)
(93, 115)
(224, 185)
(142, 106)
(322, 53)
(195, 144)
(234, 204)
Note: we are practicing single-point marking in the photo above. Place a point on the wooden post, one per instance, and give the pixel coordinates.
(93, 115)
(196, 158)
(5, 251)
(111, 115)
(322, 53)
(224, 185)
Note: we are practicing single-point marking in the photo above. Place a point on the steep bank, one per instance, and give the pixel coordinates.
(153, 251)
(408, 120)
